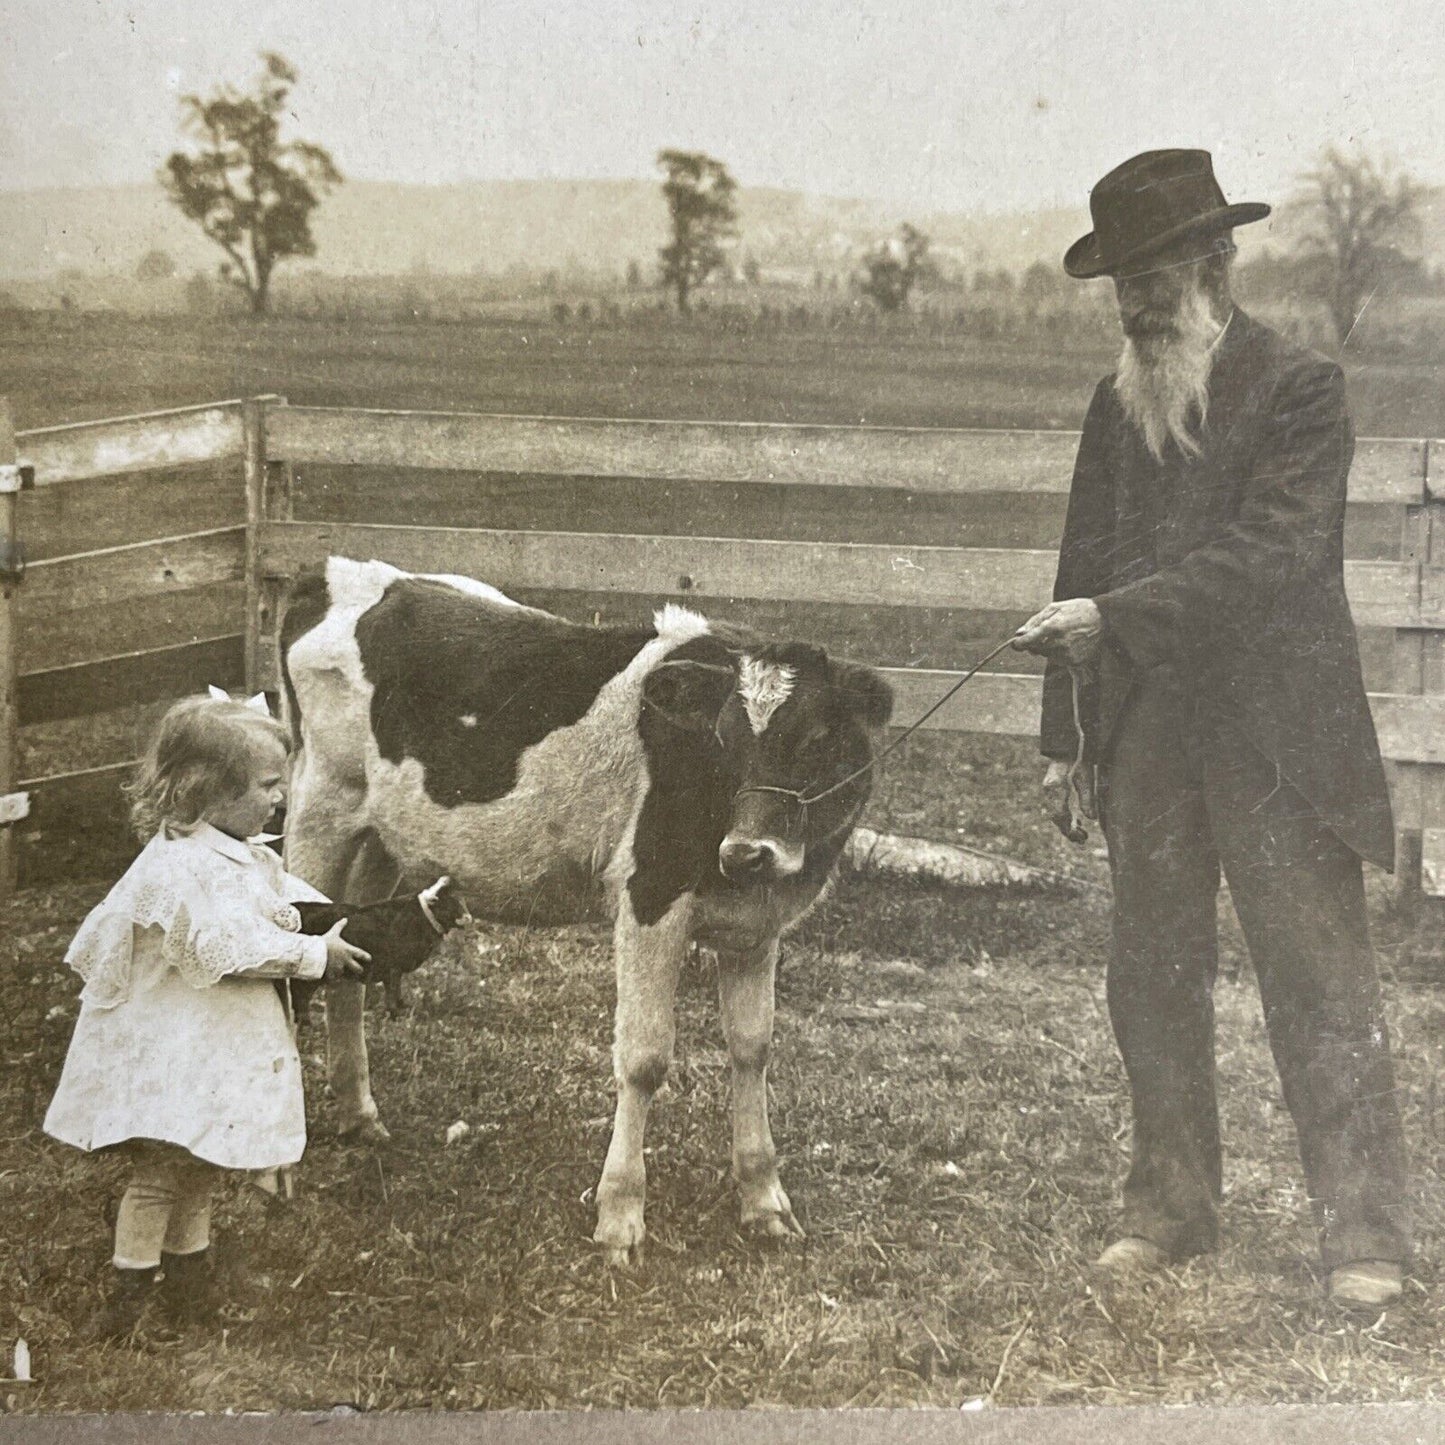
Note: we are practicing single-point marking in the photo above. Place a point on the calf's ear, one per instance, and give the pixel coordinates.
(688, 694)
(865, 694)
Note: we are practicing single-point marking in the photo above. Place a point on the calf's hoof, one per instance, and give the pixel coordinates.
(365, 1131)
(782, 1225)
(769, 1214)
(621, 1232)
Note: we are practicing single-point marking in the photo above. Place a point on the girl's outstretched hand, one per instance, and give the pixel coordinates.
(343, 960)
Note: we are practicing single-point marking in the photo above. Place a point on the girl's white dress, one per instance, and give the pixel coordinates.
(182, 1036)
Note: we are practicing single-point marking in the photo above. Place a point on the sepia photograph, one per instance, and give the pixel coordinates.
(723, 721)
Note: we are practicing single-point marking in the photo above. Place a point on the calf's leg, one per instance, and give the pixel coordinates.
(745, 992)
(648, 960)
(370, 878)
(324, 846)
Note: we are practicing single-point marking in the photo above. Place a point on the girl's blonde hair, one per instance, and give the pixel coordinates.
(201, 754)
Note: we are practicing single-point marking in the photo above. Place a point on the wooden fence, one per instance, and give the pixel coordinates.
(911, 548)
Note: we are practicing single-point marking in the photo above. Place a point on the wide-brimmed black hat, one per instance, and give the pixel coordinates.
(1150, 202)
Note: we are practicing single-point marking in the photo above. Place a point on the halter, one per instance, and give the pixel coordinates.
(805, 803)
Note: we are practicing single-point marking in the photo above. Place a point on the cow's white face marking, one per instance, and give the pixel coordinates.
(764, 687)
(468, 719)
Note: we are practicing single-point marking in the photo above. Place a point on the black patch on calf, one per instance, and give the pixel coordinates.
(435, 655)
(685, 814)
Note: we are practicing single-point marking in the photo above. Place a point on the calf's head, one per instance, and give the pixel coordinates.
(782, 733)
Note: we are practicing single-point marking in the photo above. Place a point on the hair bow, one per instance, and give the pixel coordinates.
(257, 703)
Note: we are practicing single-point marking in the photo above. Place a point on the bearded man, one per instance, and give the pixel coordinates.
(1200, 604)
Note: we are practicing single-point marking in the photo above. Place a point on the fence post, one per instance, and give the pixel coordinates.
(9, 580)
(1432, 680)
(1410, 652)
(253, 431)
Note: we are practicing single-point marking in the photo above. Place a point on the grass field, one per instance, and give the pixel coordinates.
(949, 1107)
(74, 367)
(951, 1117)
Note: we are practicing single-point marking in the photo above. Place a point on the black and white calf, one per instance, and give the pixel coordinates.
(699, 784)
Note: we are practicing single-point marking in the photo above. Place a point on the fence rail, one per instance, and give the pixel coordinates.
(975, 578)
(929, 459)
(132, 443)
(230, 500)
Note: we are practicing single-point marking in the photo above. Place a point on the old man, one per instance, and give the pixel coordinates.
(1200, 607)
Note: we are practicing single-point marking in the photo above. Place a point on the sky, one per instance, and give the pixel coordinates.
(972, 106)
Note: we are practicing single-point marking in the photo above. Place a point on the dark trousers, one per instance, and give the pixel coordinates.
(1183, 796)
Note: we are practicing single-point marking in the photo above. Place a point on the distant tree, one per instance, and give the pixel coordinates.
(1363, 222)
(752, 272)
(1040, 282)
(155, 265)
(998, 282)
(891, 268)
(251, 192)
(634, 276)
(701, 201)
(200, 296)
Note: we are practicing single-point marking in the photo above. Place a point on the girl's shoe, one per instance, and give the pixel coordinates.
(188, 1292)
(127, 1294)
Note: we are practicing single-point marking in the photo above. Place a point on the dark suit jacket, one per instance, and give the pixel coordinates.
(1230, 569)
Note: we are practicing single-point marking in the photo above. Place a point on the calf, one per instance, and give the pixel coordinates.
(695, 783)
(400, 934)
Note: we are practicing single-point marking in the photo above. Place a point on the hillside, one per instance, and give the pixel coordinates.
(494, 226)
(370, 227)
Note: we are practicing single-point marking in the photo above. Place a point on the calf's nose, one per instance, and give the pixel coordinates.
(743, 858)
(758, 860)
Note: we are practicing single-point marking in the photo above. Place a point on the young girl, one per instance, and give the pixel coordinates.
(182, 1052)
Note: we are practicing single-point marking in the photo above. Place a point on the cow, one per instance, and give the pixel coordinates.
(694, 783)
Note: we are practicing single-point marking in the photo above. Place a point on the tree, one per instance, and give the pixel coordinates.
(1041, 282)
(200, 294)
(702, 207)
(1363, 220)
(891, 268)
(155, 265)
(251, 192)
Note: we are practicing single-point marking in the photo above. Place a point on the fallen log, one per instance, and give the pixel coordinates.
(948, 864)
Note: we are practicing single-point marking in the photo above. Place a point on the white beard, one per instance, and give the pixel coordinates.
(1163, 380)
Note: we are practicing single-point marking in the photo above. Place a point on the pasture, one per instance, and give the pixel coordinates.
(61, 367)
(947, 1102)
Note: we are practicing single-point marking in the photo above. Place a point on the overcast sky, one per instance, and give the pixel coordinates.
(930, 105)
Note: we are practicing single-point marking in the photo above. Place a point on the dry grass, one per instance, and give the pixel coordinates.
(951, 1117)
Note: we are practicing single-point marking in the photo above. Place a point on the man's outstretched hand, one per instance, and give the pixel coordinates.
(1070, 632)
